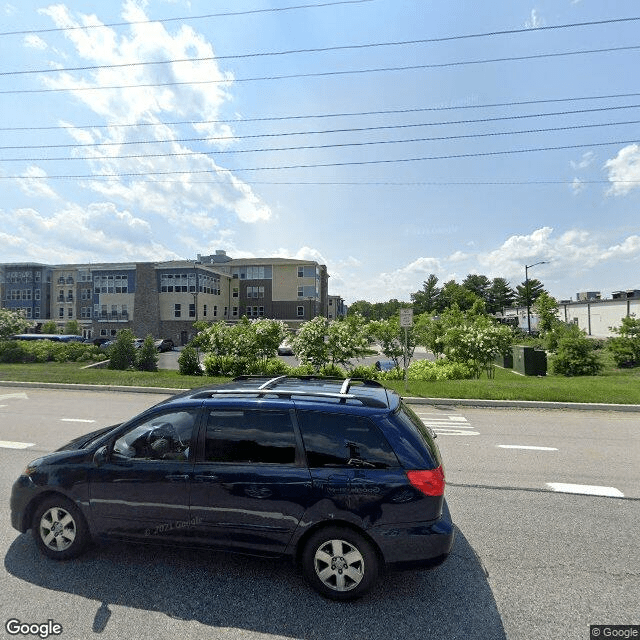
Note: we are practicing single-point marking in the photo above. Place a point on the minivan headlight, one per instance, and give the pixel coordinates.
(32, 467)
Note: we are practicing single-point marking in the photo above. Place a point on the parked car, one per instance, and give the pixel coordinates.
(285, 349)
(340, 476)
(164, 344)
(385, 365)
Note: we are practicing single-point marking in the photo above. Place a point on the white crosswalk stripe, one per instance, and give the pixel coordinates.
(448, 425)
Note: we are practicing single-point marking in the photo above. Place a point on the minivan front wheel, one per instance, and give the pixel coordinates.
(59, 529)
(340, 563)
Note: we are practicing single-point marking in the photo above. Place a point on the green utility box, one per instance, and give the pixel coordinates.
(529, 361)
(504, 361)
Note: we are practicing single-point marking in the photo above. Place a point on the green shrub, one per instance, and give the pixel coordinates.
(575, 357)
(189, 362)
(366, 373)
(147, 356)
(441, 369)
(332, 371)
(122, 353)
(24, 351)
(275, 367)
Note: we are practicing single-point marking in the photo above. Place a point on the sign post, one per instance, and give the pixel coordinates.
(406, 321)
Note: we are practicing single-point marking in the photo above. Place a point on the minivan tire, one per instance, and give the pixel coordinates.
(339, 563)
(59, 528)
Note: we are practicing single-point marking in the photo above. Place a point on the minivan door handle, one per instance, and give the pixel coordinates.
(206, 477)
(174, 477)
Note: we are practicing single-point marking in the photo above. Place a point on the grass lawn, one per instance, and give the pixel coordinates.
(619, 386)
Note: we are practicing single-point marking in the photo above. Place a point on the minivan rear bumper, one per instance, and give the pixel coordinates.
(415, 544)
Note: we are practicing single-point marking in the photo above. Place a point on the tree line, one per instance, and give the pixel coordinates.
(496, 295)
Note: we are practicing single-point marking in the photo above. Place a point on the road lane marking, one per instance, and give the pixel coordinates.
(20, 396)
(75, 420)
(6, 444)
(586, 489)
(523, 446)
(448, 425)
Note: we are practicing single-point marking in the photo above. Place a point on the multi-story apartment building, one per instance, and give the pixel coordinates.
(26, 287)
(164, 299)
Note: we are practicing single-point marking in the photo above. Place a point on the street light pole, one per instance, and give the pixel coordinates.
(527, 293)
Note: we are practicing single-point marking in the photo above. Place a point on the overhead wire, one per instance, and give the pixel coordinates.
(183, 18)
(348, 47)
(320, 74)
(481, 154)
(320, 132)
(330, 115)
(324, 146)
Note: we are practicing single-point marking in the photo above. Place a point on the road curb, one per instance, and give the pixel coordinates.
(450, 402)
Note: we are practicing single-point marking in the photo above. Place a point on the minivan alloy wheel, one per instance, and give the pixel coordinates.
(339, 565)
(59, 528)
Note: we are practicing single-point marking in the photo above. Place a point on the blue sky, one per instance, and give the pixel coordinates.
(385, 175)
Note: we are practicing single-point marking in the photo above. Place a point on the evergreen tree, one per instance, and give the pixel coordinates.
(535, 289)
(500, 296)
(147, 356)
(426, 300)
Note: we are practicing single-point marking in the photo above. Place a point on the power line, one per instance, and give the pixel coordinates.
(482, 154)
(321, 74)
(348, 47)
(324, 146)
(200, 17)
(330, 115)
(320, 132)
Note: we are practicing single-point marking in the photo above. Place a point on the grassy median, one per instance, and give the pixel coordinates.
(619, 386)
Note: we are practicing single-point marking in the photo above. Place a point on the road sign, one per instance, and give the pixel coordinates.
(406, 317)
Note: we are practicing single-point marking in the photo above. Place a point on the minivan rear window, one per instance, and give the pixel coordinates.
(409, 417)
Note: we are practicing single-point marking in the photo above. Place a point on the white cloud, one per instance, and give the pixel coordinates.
(624, 170)
(458, 256)
(97, 232)
(629, 248)
(186, 180)
(35, 185)
(534, 21)
(577, 186)
(32, 41)
(585, 161)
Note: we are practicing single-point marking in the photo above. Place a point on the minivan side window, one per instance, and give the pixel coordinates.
(163, 436)
(245, 436)
(338, 440)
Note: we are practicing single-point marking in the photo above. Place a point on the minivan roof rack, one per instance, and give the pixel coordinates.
(271, 387)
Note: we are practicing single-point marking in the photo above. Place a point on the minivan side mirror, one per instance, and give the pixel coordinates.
(101, 455)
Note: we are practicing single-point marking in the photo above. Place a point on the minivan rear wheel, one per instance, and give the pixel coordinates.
(59, 528)
(340, 563)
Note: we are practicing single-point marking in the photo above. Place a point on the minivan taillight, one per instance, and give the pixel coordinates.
(430, 482)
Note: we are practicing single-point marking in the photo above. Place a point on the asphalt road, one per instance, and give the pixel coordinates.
(529, 562)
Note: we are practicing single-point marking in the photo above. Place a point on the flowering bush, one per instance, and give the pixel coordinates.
(441, 369)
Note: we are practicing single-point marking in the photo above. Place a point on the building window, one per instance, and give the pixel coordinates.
(234, 312)
(215, 310)
(235, 292)
(204, 310)
(125, 311)
(61, 312)
(300, 312)
(177, 310)
(192, 310)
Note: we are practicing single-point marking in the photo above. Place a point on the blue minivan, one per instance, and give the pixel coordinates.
(339, 475)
